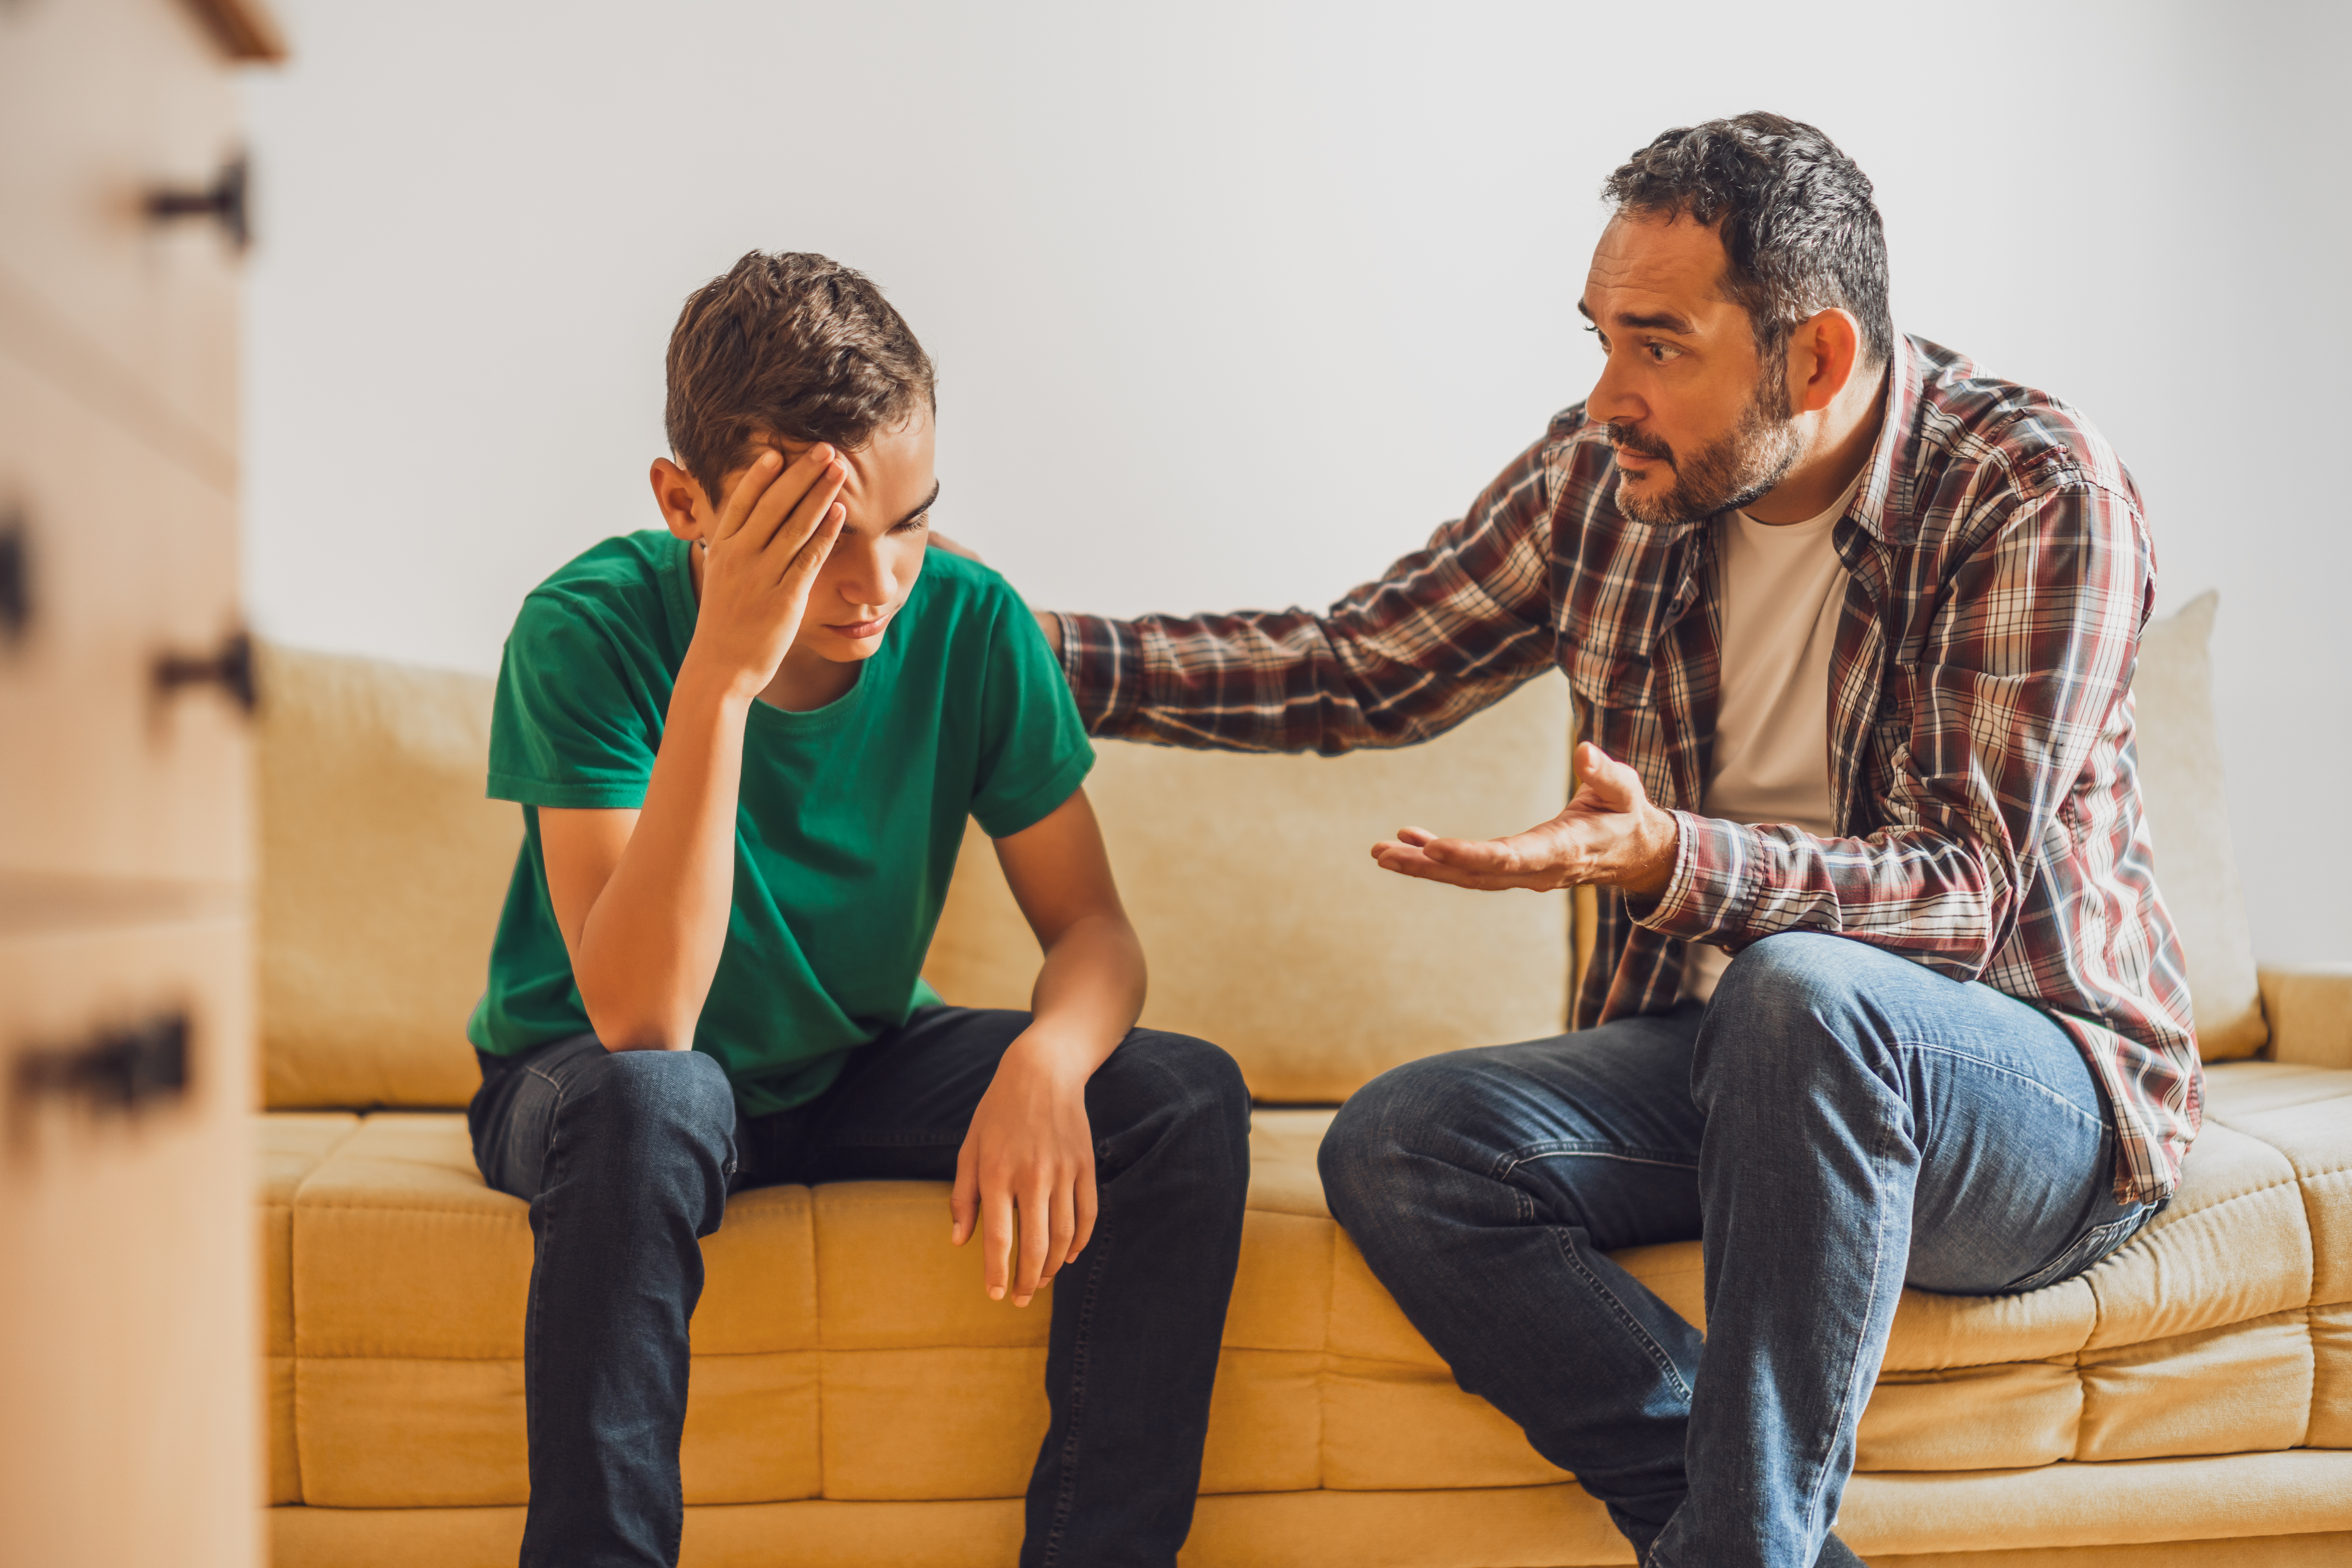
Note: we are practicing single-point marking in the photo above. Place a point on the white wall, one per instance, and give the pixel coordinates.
(1233, 303)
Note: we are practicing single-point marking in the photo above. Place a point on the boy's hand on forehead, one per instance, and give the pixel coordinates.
(772, 533)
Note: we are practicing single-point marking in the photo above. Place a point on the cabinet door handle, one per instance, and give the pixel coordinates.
(16, 578)
(223, 202)
(127, 1070)
(230, 669)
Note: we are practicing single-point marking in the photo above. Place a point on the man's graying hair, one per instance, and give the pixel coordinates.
(1801, 233)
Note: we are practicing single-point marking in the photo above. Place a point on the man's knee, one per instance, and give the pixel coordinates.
(1788, 1006)
(1368, 1153)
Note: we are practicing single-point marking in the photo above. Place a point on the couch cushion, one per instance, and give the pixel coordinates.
(382, 872)
(841, 1351)
(2180, 785)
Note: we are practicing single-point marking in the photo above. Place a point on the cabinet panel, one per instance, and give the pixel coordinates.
(130, 1396)
(100, 103)
(127, 557)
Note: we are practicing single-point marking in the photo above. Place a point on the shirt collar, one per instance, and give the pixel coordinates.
(1883, 506)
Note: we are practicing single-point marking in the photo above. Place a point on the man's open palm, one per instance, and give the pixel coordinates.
(1610, 834)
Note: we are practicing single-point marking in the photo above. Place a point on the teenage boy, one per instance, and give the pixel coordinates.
(745, 749)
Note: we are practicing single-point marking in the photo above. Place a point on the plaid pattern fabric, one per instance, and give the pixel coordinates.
(1981, 756)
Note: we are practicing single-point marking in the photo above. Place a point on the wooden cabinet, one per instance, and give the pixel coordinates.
(128, 1371)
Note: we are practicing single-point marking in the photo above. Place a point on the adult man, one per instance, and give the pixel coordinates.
(1884, 989)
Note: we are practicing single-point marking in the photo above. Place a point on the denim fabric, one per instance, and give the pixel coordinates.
(1835, 1123)
(628, 1157)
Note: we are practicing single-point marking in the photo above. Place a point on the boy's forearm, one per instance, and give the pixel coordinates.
(1088, 993)
(653, 938)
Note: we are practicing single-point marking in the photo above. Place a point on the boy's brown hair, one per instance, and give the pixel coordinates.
(791, 344)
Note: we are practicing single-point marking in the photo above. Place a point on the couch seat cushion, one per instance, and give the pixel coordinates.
(842, 1350)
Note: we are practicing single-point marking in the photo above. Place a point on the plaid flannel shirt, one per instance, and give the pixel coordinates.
(1981, 760)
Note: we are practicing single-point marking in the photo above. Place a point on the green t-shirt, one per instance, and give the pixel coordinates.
(848, 820)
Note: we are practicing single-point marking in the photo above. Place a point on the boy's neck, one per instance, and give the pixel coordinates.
(805, 682)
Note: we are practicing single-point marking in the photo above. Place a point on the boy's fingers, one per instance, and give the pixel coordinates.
(997, 1208)
(1086, 1209)
(1036, 1233)
(1066, 1230)
(803, 567)
(787, 491)
(735, 504)
(800, 513)
(963, 1205)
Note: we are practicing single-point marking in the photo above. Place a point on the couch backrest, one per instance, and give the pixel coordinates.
(1268, 929)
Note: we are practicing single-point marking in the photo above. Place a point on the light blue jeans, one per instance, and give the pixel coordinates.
(1836, 1123)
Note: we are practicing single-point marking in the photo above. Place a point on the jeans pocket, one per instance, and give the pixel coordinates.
(2087, 1250)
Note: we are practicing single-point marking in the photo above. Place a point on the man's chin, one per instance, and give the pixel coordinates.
(1653, 504)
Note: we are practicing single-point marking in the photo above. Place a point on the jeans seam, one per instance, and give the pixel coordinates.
(2026, 1078)
(1506, 1163)
(1065, 1501)
(1820, 1481)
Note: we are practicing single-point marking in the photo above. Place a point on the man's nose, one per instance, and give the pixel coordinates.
(1612, 400)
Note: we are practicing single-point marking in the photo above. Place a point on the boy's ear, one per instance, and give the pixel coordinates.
(679, 495)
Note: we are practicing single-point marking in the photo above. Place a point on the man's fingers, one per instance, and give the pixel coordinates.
(997, 1240)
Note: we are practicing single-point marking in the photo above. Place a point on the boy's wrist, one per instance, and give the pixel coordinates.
(1065, 1053)
(698, 682)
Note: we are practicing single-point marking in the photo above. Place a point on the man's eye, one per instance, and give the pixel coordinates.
(1661, 353)
(914, 524)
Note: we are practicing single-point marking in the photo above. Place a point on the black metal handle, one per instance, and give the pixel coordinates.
(16, 578)
(122, 1070)
(231, 670)
(225, 201)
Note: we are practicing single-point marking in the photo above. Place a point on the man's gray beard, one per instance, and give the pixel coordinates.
(1736, 470)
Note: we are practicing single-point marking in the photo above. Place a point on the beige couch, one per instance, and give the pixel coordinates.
(855, 1399)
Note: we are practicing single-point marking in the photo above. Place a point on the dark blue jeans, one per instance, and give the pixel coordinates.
(628, 1157)
(1835, 1123)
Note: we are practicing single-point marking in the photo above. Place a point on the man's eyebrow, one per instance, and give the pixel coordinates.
(1653, 322)
(928, 503)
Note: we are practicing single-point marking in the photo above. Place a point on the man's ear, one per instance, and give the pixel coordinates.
(1823, 352)
(679, 495)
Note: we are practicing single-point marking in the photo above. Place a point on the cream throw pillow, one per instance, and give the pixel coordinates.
(2180, 784)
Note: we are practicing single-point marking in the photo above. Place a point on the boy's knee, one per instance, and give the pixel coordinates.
(650, 1103)
(1211, 1093)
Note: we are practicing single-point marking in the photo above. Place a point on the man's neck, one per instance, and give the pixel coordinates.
(1840, 448)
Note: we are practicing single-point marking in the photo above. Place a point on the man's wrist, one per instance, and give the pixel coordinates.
(1659, 847)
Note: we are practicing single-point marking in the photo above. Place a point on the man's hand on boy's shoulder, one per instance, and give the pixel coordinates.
(1047, 621)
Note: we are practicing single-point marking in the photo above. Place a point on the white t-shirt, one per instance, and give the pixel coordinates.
(1781, 587)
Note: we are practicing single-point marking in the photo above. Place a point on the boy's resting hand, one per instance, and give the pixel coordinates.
(1030, 1153)
(772, 534)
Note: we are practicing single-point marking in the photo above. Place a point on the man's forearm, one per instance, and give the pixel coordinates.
(652, 938)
